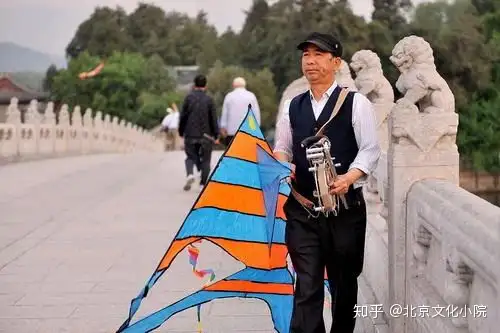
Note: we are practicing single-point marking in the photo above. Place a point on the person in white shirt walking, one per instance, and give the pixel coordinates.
(235, 107)
(170, 125)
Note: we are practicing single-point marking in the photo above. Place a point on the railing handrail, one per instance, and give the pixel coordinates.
(462, 220)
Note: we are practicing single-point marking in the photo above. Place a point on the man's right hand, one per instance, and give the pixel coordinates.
(223, 132)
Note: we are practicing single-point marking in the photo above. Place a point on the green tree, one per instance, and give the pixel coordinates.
(103, 33)
(227, 49)
(148, 28)
(462, 53)
(486, 6)
(479, 135)
(255, 30)
(391, 13)
(49, 77)
(152, 107)
(117, 88)
(260, 83)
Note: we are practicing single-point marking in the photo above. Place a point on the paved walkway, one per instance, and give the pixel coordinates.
(80, 236)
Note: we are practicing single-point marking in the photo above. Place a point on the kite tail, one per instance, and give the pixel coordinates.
(194, 252)
(198, 310)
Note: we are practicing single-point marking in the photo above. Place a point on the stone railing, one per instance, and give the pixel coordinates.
(40, 135)
(453, 259)
(432, 258)
(435, 244)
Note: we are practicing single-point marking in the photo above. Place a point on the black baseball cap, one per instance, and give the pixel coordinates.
(325, 42)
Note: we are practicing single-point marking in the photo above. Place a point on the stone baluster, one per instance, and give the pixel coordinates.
(13, 113)
(116, 133)
(98, 129)
(30, 131)
(9, 133)
(64, 118)
(98, 124)
(62, 132)
(139, 134)
(135, 136)
(123, 135)
(49, 117)
(48, 130)
(422, 145)
(76, 129)
(107, 135)
(76, 117)
(87, 132)
(33, 117)
(130, 135)
(87, 118)
(371, 82)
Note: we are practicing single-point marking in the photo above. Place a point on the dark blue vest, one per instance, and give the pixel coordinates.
(339, 130)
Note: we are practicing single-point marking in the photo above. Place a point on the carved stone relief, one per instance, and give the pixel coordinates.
(421, 242)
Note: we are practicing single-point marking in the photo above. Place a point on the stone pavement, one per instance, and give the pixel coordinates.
(80, 236)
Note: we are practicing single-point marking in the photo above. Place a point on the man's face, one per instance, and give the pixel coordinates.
(317, 65)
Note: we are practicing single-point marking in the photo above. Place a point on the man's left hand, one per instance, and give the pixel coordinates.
(340, 185)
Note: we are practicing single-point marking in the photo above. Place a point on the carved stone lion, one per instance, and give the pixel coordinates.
(419, 81)
(370, 79)
(344, 78)
(295, 88)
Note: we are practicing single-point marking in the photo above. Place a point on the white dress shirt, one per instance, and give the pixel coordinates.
(235, 108)
(171, 121)
(363, 122)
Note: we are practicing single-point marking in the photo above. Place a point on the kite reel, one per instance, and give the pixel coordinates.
(323, 169)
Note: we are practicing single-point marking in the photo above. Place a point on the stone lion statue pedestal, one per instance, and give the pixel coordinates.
(423, 128)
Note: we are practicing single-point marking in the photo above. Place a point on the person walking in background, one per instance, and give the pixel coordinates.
(235, 108)
(198, 119)
(170, 126)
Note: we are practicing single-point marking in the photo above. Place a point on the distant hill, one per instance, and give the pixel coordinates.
(16, 58)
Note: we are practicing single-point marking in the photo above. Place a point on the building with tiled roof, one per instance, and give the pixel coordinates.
(10, 87)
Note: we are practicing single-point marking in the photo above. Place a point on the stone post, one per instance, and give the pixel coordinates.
(371, 82)
(14, 119)
(422, 145)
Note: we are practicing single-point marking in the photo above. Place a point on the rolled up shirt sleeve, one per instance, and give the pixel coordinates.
(365, 129)
(283, 140)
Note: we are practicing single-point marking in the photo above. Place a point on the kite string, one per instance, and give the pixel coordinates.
(194, 253)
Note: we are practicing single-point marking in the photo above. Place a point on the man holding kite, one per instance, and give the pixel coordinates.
(317, 241)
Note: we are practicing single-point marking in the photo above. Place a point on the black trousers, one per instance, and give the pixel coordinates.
(228, 139)
(335, 243)
(199, 154)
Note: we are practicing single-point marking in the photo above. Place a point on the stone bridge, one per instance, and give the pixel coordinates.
(80, 234)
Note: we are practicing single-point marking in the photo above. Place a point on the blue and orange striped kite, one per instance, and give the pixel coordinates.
(240, 210)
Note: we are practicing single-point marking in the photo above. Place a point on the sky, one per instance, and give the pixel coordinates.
(49, 25)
